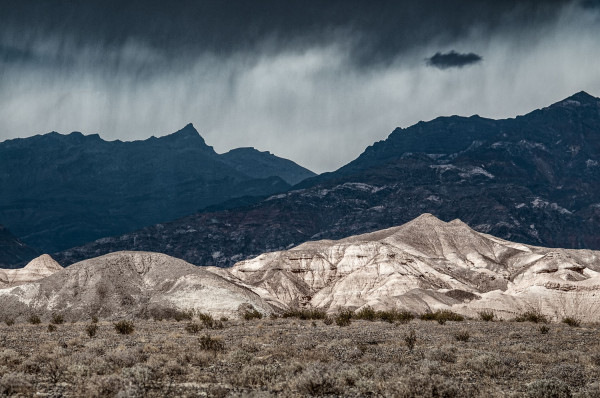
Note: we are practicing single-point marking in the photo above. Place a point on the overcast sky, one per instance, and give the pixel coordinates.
(312, 81)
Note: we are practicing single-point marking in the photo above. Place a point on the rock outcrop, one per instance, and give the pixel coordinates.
(428, 264)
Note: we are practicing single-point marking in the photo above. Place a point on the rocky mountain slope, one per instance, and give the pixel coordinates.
(259, 164)
(36, 269)
(428, 264)
(12, 250)
(60, 191)
(126, 284)
(534, 179)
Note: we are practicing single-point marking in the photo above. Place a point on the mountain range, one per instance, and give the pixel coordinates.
(533, 179)
(60, 191)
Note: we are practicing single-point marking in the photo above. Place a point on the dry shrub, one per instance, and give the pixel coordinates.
(10, 357)
(316, 380)
(486, 316)
(9, 321)
(15, 384)
(343, 317)
(442, 316)
(573, 322)
(51, 328)
(544, 329)
(462, 336)
(193, 327)
(252, 314)
(91, 329)
(104, 386)
(126, 357)
(366, 314)
(434, 386)
(34, 319)
(489, 365)
(209, 343)
(305, 314)
(548, 388)
(531, 316)
(410, 339)
(570, 373)
(57, 319)
(124, 327)
(443, 354)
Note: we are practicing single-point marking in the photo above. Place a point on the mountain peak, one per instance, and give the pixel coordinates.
(187, 135)
(578, 99)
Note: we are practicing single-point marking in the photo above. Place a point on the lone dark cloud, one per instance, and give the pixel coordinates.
(453, 60)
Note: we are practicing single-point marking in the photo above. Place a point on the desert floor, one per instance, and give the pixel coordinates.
(292, 357)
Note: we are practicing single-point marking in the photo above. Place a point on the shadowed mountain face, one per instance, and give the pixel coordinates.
(59, 191)
(259, 164)
(533, 179)
(12, 250)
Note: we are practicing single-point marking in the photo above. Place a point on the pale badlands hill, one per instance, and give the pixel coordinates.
(421, 266)
(36, 269)
(128, 284)
(428, 264)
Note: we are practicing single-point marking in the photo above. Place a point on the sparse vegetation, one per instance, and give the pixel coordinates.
(287, 357)
(573, 322)
(462, 336)
(410, 339)
(305, 314)
(124, 327)
(51, 328)
(193, 327)
(91, 329)
(94, 319)
(252, 314)
(57, 319)
(442, 316)
(531, 316)
(9, 321)
(209, 343)
(486, 316)
(328, 320)
(34, 319)
(344, 317)
(544, 329)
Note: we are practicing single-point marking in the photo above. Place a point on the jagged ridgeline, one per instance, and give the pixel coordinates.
(60, 191)
(534, 179)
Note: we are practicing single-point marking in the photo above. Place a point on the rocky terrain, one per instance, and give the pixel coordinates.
(12, 250)
(428, 265)
(534, 179)
(36, 269)
(60, 191)
(127, 284)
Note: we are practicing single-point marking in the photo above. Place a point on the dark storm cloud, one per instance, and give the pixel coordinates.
(313, 81)
(380, 30)
(453, 59)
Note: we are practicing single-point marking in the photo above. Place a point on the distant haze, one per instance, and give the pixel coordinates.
(312, 81)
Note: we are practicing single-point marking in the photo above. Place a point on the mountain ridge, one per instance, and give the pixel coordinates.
(62, 190)
(532, 179)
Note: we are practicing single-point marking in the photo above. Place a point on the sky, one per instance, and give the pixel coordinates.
(313, 81)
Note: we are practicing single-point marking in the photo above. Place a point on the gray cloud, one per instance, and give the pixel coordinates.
(316, 93)
(453, 59)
